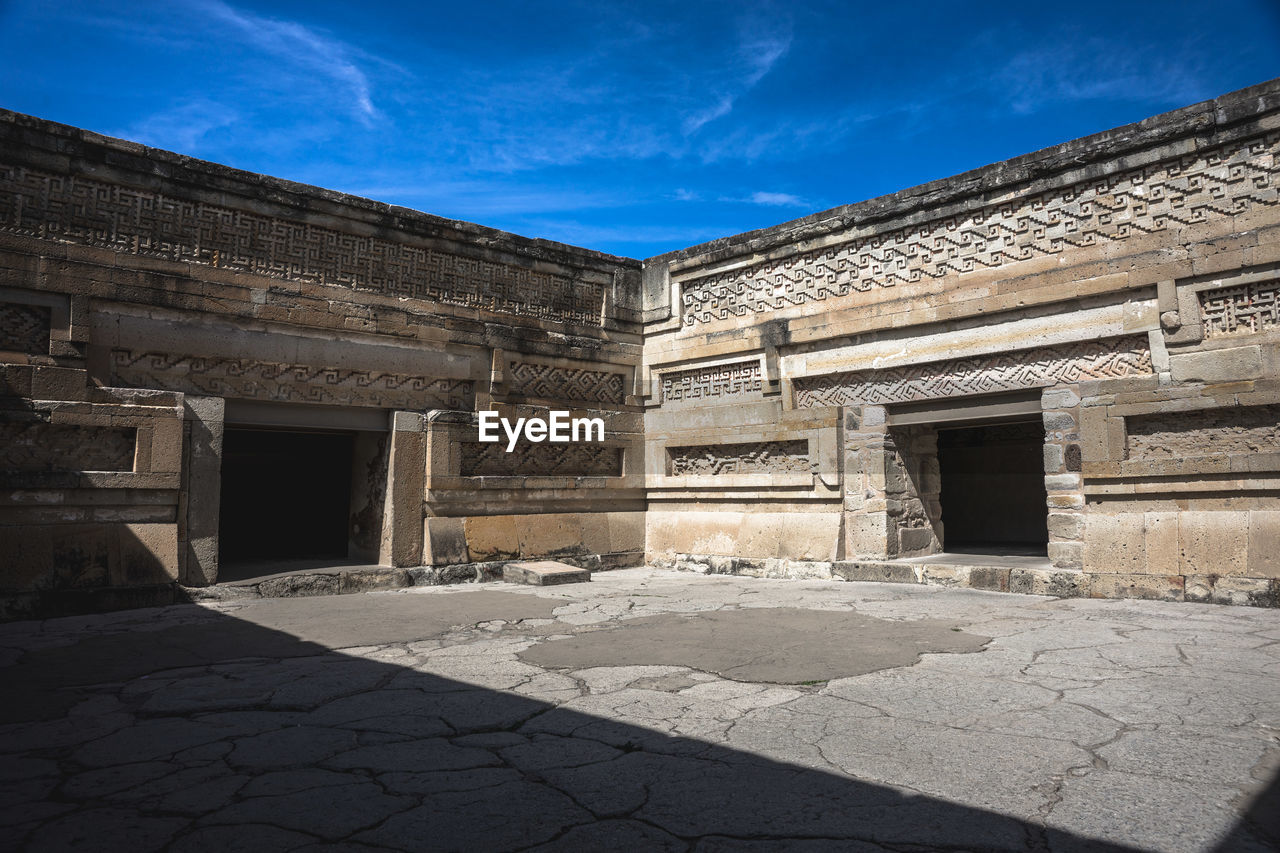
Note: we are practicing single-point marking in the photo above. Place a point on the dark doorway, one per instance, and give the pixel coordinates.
(285, 494)
(993, 494)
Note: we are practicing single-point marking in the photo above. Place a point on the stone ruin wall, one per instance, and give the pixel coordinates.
(771, 399)
(146, 299)
(1121, 290)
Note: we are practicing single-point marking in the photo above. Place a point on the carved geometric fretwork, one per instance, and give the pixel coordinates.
(42, 446)
(709, 383)
(757, 457)
(1231, 430)
(1011, 371)
(77, 209)
(490, 459)
(295, 383)
(565, 383)
(1240, 309)
(1162, 197)
(24, 328)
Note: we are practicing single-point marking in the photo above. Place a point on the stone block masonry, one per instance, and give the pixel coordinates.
(1071, 357)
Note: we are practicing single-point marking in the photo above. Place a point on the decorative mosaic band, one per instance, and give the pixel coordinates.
(77, 209)
(710, 383)
(41, 446)
(24, 328)
(485, 459)
(1241, 309)
(764, 457)
(294, 383)
(564, 383)
(1224, 181)
(1011, 371)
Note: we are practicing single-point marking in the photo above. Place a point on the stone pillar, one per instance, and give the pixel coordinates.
(917, 490)
(1062, 481)
(866, 518)
(444, 535)
(201, 491)
(406, 483)
(892, 487)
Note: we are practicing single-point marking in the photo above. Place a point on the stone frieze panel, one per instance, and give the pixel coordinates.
(549, 381)
(292, 383)
(757, 457)
(1012, 371)
(490, 459)
(24, 328)
(78, 209)
(714, 383)
(36, 445)
(1241, 309)
(1220, 182)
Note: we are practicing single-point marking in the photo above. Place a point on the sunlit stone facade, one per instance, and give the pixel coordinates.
(1056, 374)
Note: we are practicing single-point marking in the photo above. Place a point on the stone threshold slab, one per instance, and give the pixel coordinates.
(544, 573)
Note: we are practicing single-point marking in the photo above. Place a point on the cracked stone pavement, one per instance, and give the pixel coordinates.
(645, 710)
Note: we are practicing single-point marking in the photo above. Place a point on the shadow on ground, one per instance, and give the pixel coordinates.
(222, 734)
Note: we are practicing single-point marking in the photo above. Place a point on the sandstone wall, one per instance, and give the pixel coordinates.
(1119, 289)
(148, 299)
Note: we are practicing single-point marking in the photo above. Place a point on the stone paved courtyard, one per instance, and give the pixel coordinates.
(645, 710)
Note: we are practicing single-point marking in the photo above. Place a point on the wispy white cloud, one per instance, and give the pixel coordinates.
(722, 107)
(766, 199)
(184, 127)
(761, 44)
(641, 93)
(1075, 69)
(305, 49)
(777, 199)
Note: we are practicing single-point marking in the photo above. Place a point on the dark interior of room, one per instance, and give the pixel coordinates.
(285, 494)
(993, 494)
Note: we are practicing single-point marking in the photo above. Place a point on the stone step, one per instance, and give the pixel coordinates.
(543, 573)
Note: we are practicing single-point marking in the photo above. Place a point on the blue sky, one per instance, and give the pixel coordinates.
(633, 128)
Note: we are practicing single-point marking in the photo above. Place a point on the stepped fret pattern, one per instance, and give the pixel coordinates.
(1222, 182)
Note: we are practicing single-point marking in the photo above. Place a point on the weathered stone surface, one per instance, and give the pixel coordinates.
(1066, 525)
(1256, 592)
(1064, 584)
(1160, 587)
(940, 575)
(990, 578)
(544, 573)
(1065, 555)
(366, 580)
(1114, 542)
(880, 572)
(428, 717)
(221, 592)
(1214, 540)
(1217, 365)
(290, 586)
(1264, 544)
